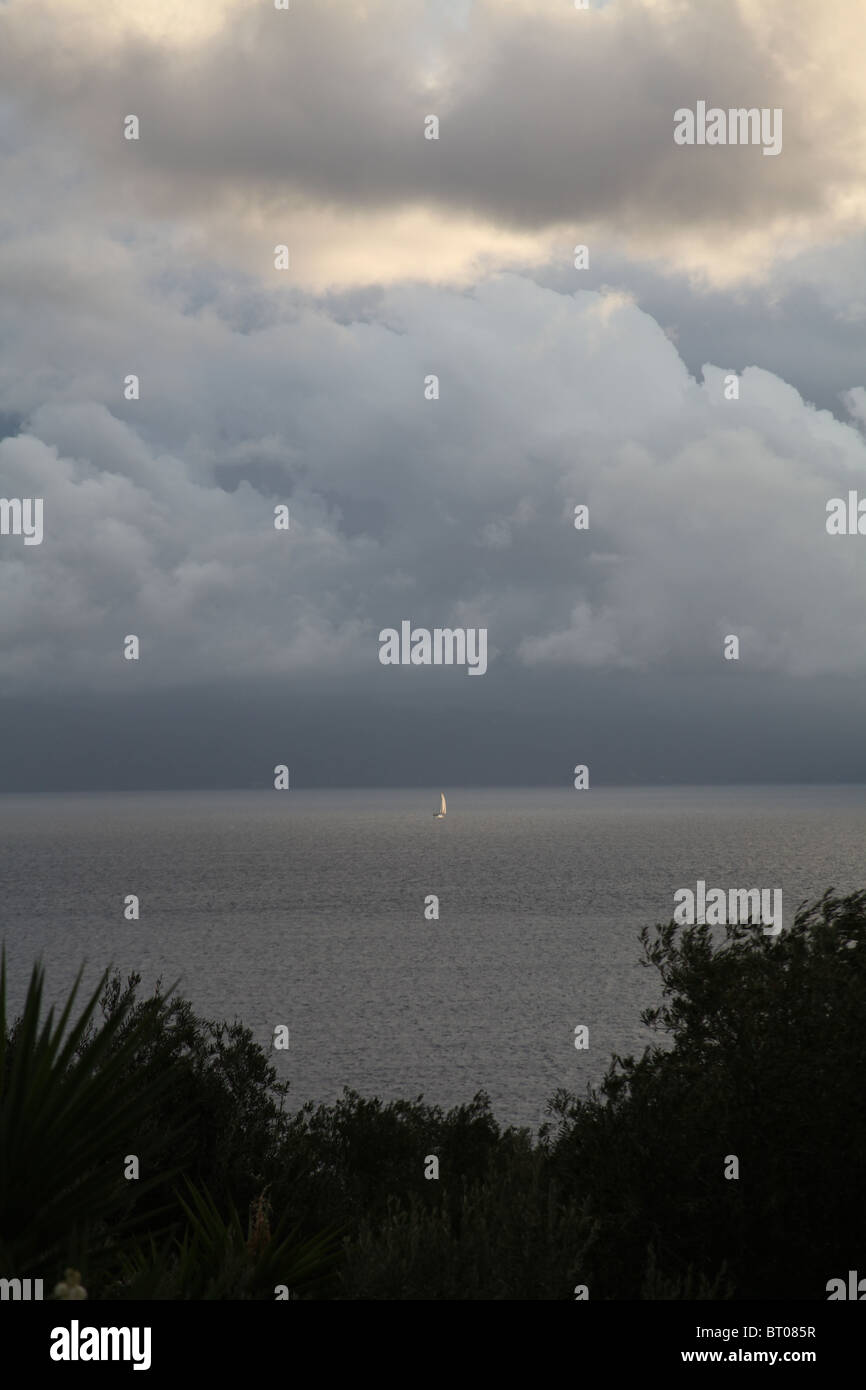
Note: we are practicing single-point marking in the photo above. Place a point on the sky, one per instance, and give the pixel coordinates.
(606, 386)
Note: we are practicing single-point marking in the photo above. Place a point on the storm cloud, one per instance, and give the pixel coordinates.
(557, 387)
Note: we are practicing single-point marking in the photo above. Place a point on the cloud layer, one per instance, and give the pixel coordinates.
(410, 258)
(706, 514)
(554, 124)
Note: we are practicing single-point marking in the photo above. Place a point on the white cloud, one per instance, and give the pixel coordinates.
(707, 516)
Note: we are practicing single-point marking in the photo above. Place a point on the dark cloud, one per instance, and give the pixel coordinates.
(418, 732)
(547, 116)
(557, 387)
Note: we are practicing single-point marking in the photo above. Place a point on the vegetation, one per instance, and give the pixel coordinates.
(760, 1056)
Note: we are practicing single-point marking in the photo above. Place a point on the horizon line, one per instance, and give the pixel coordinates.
(417, 786)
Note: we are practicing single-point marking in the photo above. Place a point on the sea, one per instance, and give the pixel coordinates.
(312, 910)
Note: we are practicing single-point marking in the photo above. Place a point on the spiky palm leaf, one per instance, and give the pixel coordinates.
(214, 1259)
(65, 1125)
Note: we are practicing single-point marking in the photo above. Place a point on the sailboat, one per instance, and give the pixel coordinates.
(438, 815)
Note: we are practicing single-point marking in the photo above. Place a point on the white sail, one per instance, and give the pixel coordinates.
(442, 808)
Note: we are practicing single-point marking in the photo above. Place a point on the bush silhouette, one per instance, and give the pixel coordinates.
(766, 1041)
(760, 1056)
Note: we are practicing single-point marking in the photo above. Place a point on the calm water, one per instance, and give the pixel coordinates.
(307, 908)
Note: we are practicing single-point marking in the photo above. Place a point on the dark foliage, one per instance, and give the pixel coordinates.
(760, 1056)
(766, 1062)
